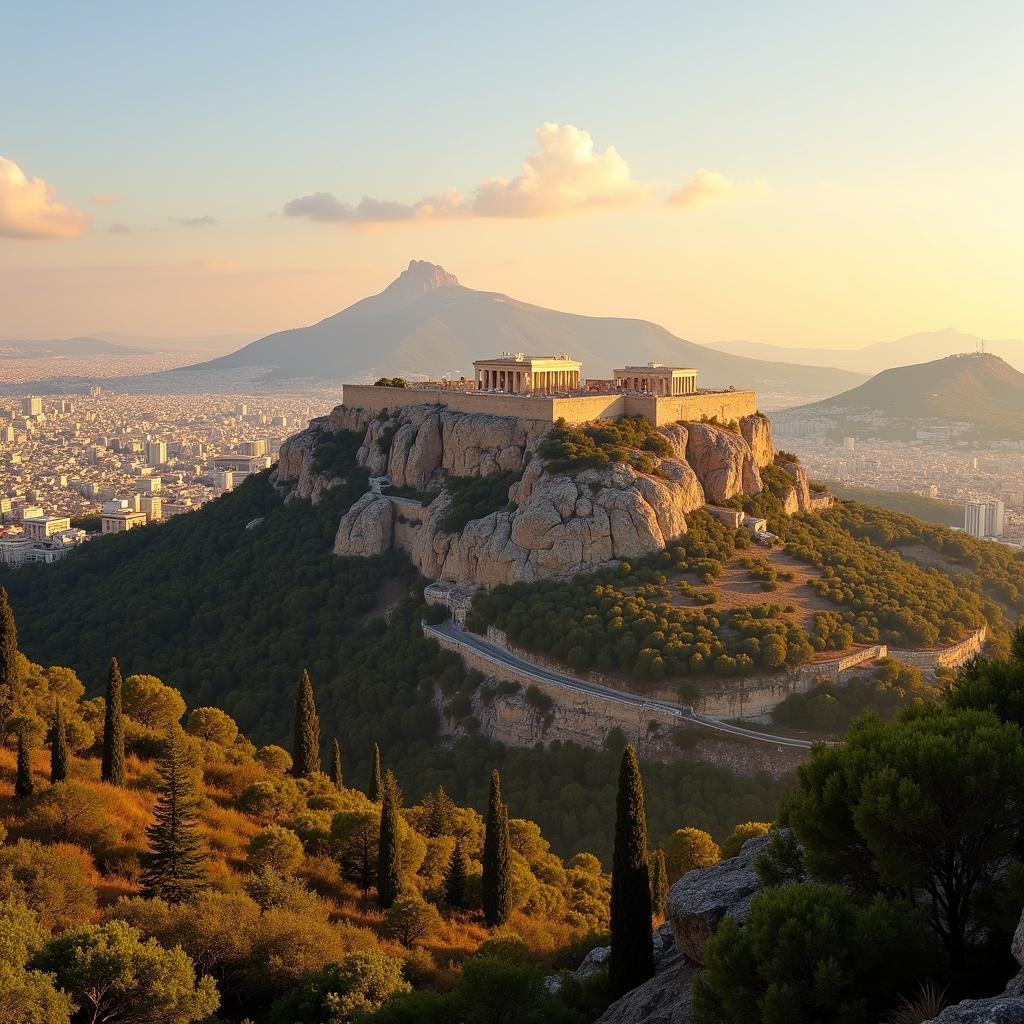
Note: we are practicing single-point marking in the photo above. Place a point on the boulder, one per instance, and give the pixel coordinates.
(295, 453)
(667, 998)
(343, 417)
(722, 461)
(702, 899)
(756, 430)
(367, 528)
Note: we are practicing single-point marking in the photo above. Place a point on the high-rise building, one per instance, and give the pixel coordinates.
(850, 444)
(253, 447)
(996, 517)
(152, 506)
(31, 406)
(156, 453)
(976, 518)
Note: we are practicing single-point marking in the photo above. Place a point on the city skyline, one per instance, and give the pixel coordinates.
(260, 173)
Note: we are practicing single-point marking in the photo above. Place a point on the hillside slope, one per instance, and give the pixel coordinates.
(982, 390)
(426, 324)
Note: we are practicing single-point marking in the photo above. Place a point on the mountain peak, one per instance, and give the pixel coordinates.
(419, 278)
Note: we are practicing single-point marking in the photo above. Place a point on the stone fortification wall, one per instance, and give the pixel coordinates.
(749, 696)
(945, 657)
(725, 405)
(587, 720)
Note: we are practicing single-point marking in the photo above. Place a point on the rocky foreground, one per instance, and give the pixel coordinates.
(554, 524)
(698, 904)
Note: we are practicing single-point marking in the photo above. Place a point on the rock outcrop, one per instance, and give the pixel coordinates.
(555, 524)
(799, 498)
(701, 900)
(367, 528)
(756, 430)
(562, 524)
(723, 462)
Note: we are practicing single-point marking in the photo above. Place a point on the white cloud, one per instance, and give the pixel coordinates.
(707, 187)
(28, 209)
(567, 175)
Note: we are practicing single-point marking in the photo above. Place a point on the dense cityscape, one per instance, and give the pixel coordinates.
(81, 465)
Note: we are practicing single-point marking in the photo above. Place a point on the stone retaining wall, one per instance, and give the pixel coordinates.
(945, 657)
(750, 696)
(587, 720)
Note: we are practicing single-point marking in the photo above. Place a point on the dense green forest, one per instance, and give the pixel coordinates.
(226, 614)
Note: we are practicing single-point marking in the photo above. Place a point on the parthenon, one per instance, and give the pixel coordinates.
(516, 374)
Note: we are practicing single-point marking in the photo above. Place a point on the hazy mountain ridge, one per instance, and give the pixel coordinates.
(883, 355)
(426, 324)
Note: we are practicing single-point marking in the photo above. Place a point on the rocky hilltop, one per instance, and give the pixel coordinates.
(549, 523)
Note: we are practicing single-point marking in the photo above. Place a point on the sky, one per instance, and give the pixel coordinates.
(807, 174)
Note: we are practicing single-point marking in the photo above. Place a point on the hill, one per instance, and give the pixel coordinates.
(425, 324)
(883, 355)
(11, 348)
(929, 510)
(978, 389)
(256, 605)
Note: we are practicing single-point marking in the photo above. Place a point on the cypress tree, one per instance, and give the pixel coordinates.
(174, 868)
(60, 753)
(496, 884)
(337, 776)
(659, 883)
(10, 669)
(23, 779)
(631, 961)
(376, 783)
(306, 755)
(455, 877)
(388, 881)
(112, 765)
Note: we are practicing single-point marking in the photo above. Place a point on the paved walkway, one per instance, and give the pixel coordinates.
(502, 657)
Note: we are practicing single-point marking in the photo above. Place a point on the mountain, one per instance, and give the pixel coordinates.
(18, 348)
(883, 355)
(425, 324)
(216, 344)
(980, 389)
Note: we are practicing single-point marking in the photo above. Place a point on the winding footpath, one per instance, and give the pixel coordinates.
(502, 657)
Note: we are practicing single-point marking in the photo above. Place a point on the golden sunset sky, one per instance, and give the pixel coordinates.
(795, 173)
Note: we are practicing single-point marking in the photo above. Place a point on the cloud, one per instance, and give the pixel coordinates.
(195, 222)
(104, 199)
(118, 229)
(28, 209)
(707, 187)
(567, 175)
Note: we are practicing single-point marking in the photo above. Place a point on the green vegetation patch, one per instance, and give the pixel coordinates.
(474, 497)
(568, 449)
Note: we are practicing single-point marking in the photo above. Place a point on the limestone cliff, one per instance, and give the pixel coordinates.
(554, 523)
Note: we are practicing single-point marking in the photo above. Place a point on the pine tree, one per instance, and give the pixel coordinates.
(174, 868)
(23, 779)
(10, 668)
(389, 883)
(497, 859)
(659, 883)
(631, 961)
(455, 877)
(306, 756)
(112, 765)
(440, 818)
(60, 753)
(376, 783)
(337, 775)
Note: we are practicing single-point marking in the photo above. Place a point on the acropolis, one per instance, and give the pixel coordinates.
(549, 388)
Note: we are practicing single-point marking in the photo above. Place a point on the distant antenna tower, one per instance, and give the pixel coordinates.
(981, 346)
